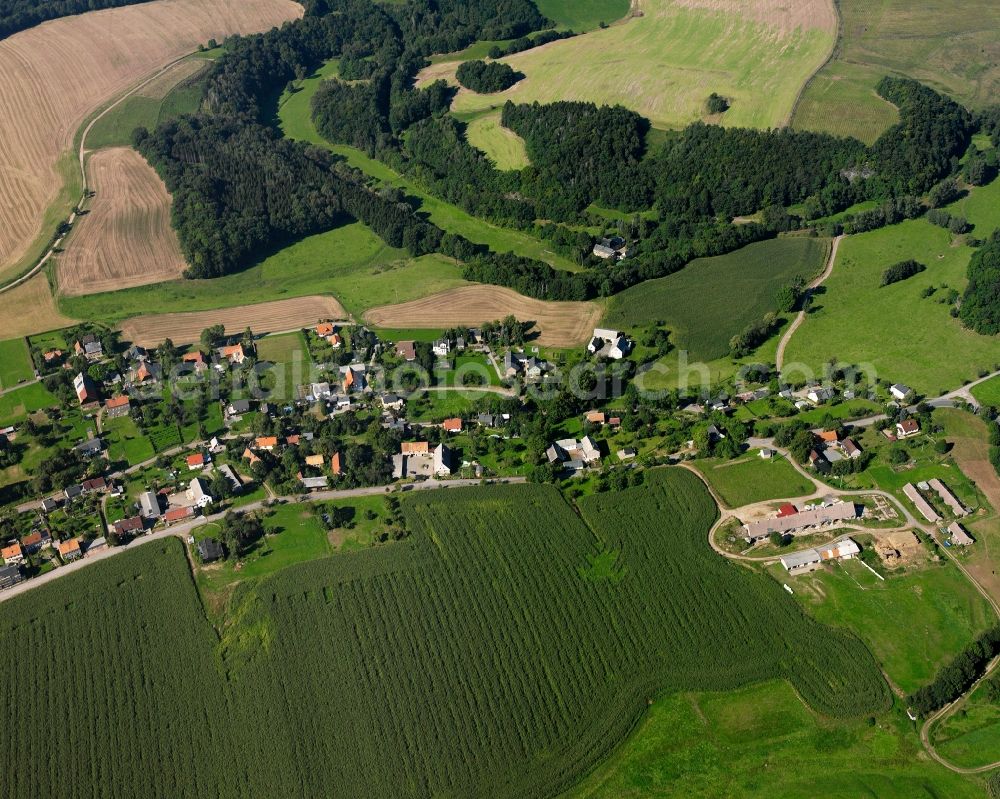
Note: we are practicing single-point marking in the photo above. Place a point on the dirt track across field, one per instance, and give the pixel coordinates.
(53, 75)
(265, 317)
(560, 324)
(126, 239)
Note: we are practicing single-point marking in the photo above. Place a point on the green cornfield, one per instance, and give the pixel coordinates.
(501, 650)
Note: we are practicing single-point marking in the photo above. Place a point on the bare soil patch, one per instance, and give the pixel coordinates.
(53, 75)
(559, 324)
(126, 239)
(265, 317)
(29, 308)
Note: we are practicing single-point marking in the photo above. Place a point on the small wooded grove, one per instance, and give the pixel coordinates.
(901, 271)
(980, 307)
(237, 206)
(486, 78)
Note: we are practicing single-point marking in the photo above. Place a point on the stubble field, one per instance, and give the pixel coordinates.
(29, 308)
(560, 324)
(125, 239)
(664, 63)
(53, 75)
(266, 317)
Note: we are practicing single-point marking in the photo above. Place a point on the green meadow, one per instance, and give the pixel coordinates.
(15, 363)
(502, 146)
(914, 621)
(953, 49)
(905, 336)
(750, 478)
(970, 735)
(665, 63)
(710, 300)
(761, 742)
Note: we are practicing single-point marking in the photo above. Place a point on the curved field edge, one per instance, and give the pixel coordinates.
(501, 625)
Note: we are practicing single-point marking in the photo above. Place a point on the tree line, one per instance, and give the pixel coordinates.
(958, 676)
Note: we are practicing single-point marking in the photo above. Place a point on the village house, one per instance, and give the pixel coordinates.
(324, 329)
(233, 354)
(90, 448)
(96, 547)
(851, 449)
(210, 550)
(250, 455)
(135, 352)
(595, 417)
(197, 494)
(407, 350)
(35, 540)
(266, 443)
(318, 391)
(145, 374)
(609, 344)
(94, 485)
(125, 528)
(611, 248)
(86, 391)
(149, 505)
(354, 377)
(237, 408)
(817, 395)
(52, 355)
(315, 460)
(70, 550)
(627, 454)
(899, 391)
(196, 359)
(392, 402)
(197, 461)
(90, 347)
(12, 554)
(335, 341)
(117, 406)
(441, 348)
(453, 425)
(907, 428)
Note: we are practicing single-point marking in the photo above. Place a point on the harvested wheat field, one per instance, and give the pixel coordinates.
(29, 308)
(53, 75)
(126, 238)
(665, 62)
(559, 324)
(265, 317)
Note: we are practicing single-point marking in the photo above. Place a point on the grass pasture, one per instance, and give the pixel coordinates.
(903, 336)
(762, 743)
(712, 299)
(953, 49)
(665, 63)
(915, 621)
(15, 363)
(503, 147)
(17, 404)
(489, 592)
(753, 479)
(970, 735)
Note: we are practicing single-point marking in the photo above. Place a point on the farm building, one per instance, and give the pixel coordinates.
(178, 515)
(911, 493)
(899, 391)
(948, 498)
(86, 391)
(197, 494)
(233, 479)
(149, 505)
(573, 454)
(809, 559)
(802, 520)
(959, 537)
(609, 344)
(314, 483)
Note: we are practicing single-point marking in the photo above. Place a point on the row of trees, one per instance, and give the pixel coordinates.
(958, 676)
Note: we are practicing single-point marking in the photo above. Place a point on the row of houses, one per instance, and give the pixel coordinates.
(914, 494)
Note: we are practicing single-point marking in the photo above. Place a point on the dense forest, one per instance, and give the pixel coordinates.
(486, 78)
(234, 206)
(19, 15)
